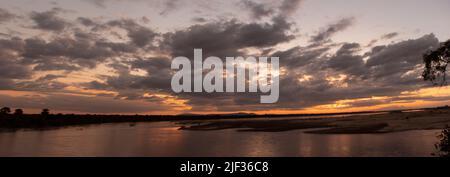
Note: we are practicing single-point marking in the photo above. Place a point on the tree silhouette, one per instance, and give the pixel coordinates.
(18, 112)
(443, 146)
(5, 110)
(45, 112)
(436, 63)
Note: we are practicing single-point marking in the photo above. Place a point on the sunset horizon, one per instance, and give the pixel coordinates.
(124, 64)
(224, 87)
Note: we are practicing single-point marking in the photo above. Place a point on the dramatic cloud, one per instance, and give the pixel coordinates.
(66, 53)
(6, 15)
(226, 38)
(10, 66)
(289, 6)
(389, 35)
(300, 56)
(260, 9)
(157, 78)
(398, 58)
(140, 35)
(98, 3)
(257, 10)
(49, 20)
(316, 78)
(86, 63)
(199, 19)
(104, 3)
(78, 49)
(86, 21)
(332, 29)
(44, 84)
(12, 69)
(346, 61)
(169, 6)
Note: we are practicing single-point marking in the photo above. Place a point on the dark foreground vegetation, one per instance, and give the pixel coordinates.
(443, 146)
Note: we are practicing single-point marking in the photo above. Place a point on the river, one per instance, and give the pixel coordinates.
(163, 139)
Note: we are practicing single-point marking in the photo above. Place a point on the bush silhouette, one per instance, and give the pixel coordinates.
(18, 112)
(443, 146)
(5, 110)
(45, 112)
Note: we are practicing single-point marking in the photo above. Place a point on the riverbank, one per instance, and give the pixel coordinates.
(36, 121)
(344, 123)
(358, 124)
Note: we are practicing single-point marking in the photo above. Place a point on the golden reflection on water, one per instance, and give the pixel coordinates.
(164, 139)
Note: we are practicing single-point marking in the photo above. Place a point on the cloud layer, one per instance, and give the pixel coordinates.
(96, 65)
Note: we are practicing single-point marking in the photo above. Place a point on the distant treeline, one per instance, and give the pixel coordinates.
(18, 119)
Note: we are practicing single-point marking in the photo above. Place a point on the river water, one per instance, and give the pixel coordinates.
(162, 139)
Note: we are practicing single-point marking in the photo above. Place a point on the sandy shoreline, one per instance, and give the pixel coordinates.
(357, 124)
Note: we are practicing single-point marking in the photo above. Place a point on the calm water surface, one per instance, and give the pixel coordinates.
(164, 139)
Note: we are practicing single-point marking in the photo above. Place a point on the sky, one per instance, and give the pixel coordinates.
(114, 56)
